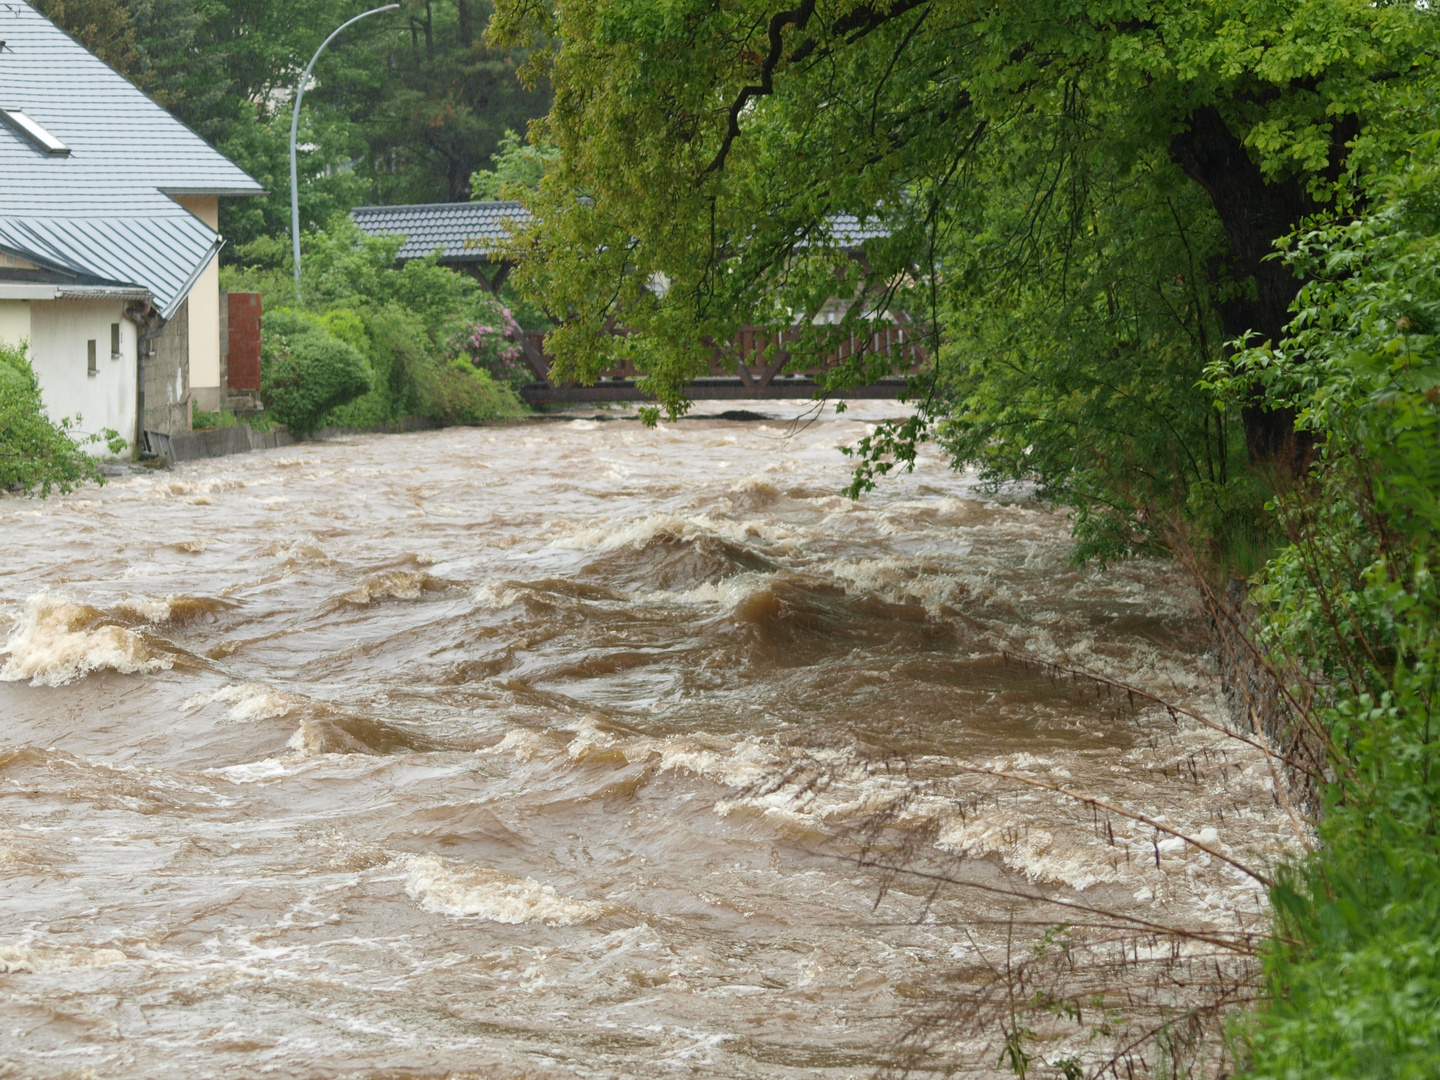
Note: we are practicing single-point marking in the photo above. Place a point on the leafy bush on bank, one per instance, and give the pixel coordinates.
(306, 371)
(37, 454)
(391, 341)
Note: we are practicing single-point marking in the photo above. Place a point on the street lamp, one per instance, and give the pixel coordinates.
(294, 127)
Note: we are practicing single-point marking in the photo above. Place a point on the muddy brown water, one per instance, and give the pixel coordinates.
(491, 752)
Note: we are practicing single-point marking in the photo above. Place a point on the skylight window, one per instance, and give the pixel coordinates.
(35, 133)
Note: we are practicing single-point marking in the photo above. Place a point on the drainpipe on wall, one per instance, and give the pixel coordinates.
(147, 324)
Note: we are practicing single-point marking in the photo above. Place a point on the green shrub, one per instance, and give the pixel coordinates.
(35, 453)
(1351, 607)
(393, 342)
(306, 371)
(457, 392)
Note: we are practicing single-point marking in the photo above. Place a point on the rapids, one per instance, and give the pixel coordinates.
(548, 750)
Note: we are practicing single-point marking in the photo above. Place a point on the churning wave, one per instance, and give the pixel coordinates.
(57, 640)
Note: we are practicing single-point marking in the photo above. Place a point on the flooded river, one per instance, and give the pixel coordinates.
(550, 750)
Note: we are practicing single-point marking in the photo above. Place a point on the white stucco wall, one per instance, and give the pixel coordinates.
(205, 314)
(14, 321)
(59, 330)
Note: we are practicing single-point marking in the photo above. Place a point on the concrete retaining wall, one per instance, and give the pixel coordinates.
(213, 442)
(241, 438)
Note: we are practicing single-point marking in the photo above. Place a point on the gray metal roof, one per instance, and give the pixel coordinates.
(103, 210)
(461, 232)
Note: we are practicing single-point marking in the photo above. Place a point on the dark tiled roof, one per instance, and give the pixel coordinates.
(104, 209)
(461, 232)
(850, 232)
(474, 231)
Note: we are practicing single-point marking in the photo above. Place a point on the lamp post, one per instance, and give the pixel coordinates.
(295, 126)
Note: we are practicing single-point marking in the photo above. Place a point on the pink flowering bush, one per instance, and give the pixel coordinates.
(492, 344)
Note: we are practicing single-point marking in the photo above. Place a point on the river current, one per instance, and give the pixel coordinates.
(561, 749)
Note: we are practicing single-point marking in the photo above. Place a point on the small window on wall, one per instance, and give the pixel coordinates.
(114, 341)
(90, 357)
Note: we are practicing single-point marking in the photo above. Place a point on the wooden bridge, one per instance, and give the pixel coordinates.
(743, 369)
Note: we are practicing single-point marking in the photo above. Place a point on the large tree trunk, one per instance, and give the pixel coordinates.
(1254, 213)
(466, 25)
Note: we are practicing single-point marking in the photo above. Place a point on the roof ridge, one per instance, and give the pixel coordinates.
(439, 206)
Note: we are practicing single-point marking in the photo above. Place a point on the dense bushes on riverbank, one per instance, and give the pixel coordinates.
(37, 454)
(376, 343)
(1350, 613)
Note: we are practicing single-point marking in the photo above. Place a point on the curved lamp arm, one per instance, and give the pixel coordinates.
(295, 126)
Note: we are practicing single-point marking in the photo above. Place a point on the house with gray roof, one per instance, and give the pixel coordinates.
(109, 216)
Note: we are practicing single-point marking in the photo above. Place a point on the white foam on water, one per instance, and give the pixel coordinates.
(755, 486)
(493, 597)
(1045, 836)
(56, 641)
(898, 580)
(522, 742)
(671, 527)
(391, 585)
(727, 593)
(592, 744)
(172, 607)
(1033, 852)
(252, 771)
(731, 763)
(18, 959)
(247, 701)
(447, 887)
(152, 610)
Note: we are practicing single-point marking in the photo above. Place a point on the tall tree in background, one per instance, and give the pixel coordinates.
(431, 99)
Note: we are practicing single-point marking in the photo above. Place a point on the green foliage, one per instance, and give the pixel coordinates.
(201, 420)
(259, 142)
(306, 371)
(404, 107)
(461, 393)
(1352, 602)
(517, 168)
(35, 453)
(1087, 384)
(1078, 200)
